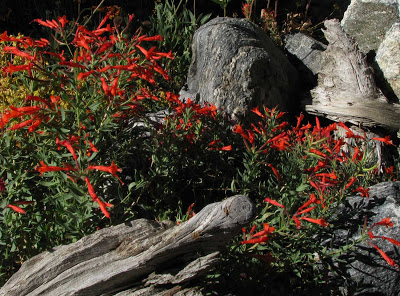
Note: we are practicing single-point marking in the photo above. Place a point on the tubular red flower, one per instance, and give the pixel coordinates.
(68, 145)
(273, 202)
(35, 124)
(306, 211)
(84, 75)
(50, 24)
(105, 87)
(385, 222)
(257, 111)
(14, 50)
(26, 110)
(386, 257)
(62, 20)
(16, 68)
(385, 140)
(363, 192)
(21, 124)
(319, 153)
(103, 208)
(331, 175)
(16, 209)
(267, 230)
(351, 182)
(91, 191)
(297, 221)
(312, 200)
(94, 149)
(112, 169)
(72, 64)
(321, 222)
(45, 168)
(151, 38)
(114, 85)
(104, 47)
(262, 239)
(299, 120)
(275, 171)
(391, 240)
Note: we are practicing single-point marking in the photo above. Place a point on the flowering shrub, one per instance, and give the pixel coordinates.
(56, 147)
(85, 154)
(298, 175)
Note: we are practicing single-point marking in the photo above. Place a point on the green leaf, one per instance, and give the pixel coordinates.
(302, 187)
(62, 113)
(48, 183)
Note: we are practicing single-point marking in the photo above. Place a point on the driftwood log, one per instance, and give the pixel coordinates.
(346, 88)
(140, 257)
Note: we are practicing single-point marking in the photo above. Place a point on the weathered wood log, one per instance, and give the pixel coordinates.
(118, 260)
(346, 88)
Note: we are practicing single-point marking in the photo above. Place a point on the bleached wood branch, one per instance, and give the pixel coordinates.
(115, 259)
(346, 88)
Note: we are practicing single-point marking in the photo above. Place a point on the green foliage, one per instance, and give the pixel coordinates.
(177, 24)
(223, 4)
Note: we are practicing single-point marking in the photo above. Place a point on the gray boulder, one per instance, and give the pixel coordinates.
(388, 58)
(306, 49)
(367, 21)
(365, 271)
(236, 66)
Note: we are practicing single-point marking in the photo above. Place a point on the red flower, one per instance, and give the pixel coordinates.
(299, 120)
(362, 191)
(151, 38)
(351, 182)
(357, 155)
(114, 85)
(312, 200)
(91, 190)
(393, 241)
(263, 235)
(305, 211)
(105, 86)
(385, 222)
(21, 124)
(275, 171)
(257, 111)
(84, 75)
(72, 64)
(103, 208)
(321, 222)
(261, 239)
(14, 50)
(69, 147)
(326, 175)
(50, 24)
(386, 257)
(273, 202)
(45, 168)
(112, 169)
(267, 230)
(62, 20)
(319, 153)
(385, 140)
(15, 68)
(16, 209)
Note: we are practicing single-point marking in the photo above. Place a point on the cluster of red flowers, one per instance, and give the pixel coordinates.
(323, 150)
(94, 60)
(387, 223)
